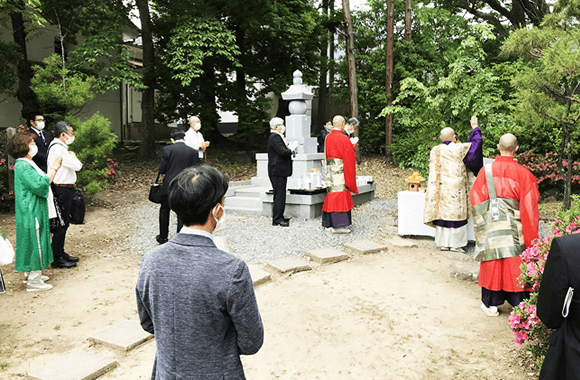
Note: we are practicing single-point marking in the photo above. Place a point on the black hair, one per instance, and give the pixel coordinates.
(60, 127)
(32, 116)
(195, 191)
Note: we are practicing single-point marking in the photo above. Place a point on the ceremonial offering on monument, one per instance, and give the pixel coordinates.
(312, 180)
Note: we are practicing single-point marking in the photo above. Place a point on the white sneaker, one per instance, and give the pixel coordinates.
(43, 278)
(460, 250)
(37, 287)
(340, 230)
(490, 311)
(444, 248)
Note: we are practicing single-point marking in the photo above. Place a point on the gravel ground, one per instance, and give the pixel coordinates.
(255, 240)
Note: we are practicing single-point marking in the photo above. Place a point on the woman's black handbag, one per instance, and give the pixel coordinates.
(77, 211)
(155, 191)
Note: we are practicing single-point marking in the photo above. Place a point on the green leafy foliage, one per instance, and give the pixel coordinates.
(56, 87)
(467, 85)
(93, 145)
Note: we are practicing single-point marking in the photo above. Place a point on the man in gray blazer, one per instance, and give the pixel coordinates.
(198, 300)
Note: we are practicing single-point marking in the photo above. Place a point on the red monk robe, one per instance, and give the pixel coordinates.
(339, 146)
(511, 181)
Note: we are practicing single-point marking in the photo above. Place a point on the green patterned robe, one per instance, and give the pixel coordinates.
(31, 193)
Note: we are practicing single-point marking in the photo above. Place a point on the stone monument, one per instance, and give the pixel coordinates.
(297, 129)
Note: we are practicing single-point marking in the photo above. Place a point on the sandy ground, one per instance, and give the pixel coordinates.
(396, 314)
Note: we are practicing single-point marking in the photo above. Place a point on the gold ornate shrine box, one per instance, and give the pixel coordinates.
(414, 182)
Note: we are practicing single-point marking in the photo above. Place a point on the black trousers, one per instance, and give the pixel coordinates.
(279, 187)
(65, 197)
(498, 297)
(164, 212)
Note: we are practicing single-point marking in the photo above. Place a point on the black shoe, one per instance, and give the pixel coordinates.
(161, 240)
(63, 263)
(282, 224)
(70, 258)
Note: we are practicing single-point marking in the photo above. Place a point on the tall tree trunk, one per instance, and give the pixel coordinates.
(352, 85)
(148, 101)
(24, 93)
(408, 8)
(389, 82)
(322, 85)
(208, 114)
(331, 70)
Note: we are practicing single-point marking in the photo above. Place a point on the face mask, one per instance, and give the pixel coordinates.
(328, 127)
(32, 150)
(219, 224)
(40, 125)
(69, 140)
(282, 129)
(197, 126)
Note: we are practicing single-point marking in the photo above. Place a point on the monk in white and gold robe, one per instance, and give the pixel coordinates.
(452, 166)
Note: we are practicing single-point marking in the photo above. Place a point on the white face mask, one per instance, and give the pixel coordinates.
(40, 125)
(219, 224)
(328, 127)
(197, 126)
(32, 150)
(282, 129)
(69, 140)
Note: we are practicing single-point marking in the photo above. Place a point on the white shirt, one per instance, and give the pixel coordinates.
(195, 231)
(194, 139)
(66, 175)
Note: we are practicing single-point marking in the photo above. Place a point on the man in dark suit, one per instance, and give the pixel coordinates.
(279, 169)
(174, 158)
(562, 271)
(198, 300)
(42, 139)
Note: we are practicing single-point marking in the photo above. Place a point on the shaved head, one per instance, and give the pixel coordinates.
(508, 142)
(447, 134)
(338, 122)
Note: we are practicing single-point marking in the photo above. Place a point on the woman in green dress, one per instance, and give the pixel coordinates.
(32, 196)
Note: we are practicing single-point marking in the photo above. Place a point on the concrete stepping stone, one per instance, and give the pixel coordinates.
(289, 265)
(327, 255)
(125, 335)
(259, 276)
(465, 271)
(366, 246)
(399, 242)
(75, 366)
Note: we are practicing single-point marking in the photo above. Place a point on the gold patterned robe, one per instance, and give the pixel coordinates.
(447, 196)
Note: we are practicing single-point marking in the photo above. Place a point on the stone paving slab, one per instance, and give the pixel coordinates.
(289, 265)
(124, 335)
(366, 246)
(75, 366)
(399, 242)
(465, 271)
(327, 255)
(259, 276)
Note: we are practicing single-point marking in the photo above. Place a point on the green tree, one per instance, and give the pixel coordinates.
(547, 89)
(469, 86)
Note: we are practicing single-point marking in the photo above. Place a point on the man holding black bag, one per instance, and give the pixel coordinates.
(174, 158)
(64, 189)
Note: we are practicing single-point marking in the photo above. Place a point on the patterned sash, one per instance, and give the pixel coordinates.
(334, 175)
(498, 226)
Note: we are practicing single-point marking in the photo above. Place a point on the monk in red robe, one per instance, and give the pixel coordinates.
(341, 159)
(497, 249)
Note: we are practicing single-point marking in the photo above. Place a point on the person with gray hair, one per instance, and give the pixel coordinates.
(279, 169)
(351, 125)
(64, 184)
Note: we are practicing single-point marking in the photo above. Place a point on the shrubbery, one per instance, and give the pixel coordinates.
(93, 145)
